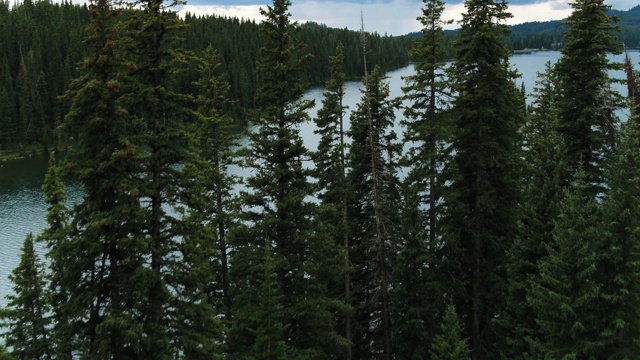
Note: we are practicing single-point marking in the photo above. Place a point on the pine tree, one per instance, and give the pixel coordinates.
(619, 250)
(26, 312)
(428, 92)
(632, 87)
(54, 237)
(154, 65)
(484, 172)
(586, 101)
(104, 282)
(270, 333)
(206, 292)
(216, 138)
(544, 172)
(450, 343)
(277, 206)
(374, 215)
(416, 303)
(565, 297)
(330, 170)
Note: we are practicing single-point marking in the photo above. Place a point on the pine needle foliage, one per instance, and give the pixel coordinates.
(566, 297)
(484, 172)
(586, 101)
(542, 189)
(277, 203)
(450, 343)
(26, 315)
(619, 250)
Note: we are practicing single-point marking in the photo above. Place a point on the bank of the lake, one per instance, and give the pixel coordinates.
(22, 208)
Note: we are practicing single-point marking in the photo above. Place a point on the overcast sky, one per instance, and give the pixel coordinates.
(393, 17)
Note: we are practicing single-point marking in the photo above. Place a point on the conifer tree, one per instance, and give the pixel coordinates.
(428, 92)
(26, 313)
(586, 101)
(484, 172)
(374, 215)
(544, 171)
(154, 65)
(416, 300)
(330, 169)
(450, 343)
(215, 140)
(277, 206)
(104, 278)
(270, 334)
(619, 250)
(566, 296)
(416, 303)
(54, 237)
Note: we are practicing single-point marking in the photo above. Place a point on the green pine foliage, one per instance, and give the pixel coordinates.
(450, 344)
(330, 170)
(104, 284)
(566, 297)
(153, 63)
(277, 207)
(544, 171)
(619, 257)
(484, 172)
(586, 102)
(374, 216)
(54, 237)
(216, 138)
(416, 302)
(428, 93)
(26, 316)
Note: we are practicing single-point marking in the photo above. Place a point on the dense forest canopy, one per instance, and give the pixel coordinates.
(41, 44)
(514, 235)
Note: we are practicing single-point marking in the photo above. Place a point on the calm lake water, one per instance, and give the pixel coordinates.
(22, 208)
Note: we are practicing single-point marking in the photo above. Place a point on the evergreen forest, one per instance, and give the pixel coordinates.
(41, 45)
(512, 235)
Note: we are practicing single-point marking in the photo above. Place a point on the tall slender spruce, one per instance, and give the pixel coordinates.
(54, 237)
(619, 249)
(331, 171)
(278, 207)
(544, 171)
(586, 102)
(417, 303)
(216, 139)
(104, 276)
(374, 215)
(26, 313)
(483, 192)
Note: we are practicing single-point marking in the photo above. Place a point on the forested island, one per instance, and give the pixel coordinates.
(514, 234)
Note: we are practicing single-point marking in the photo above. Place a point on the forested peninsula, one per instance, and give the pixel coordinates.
(42, 43)
(513, 233)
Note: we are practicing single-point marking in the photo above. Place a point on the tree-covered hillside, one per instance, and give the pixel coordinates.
(41, 44)
(550, 34)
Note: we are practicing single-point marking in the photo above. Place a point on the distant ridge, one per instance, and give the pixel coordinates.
(549, 34)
